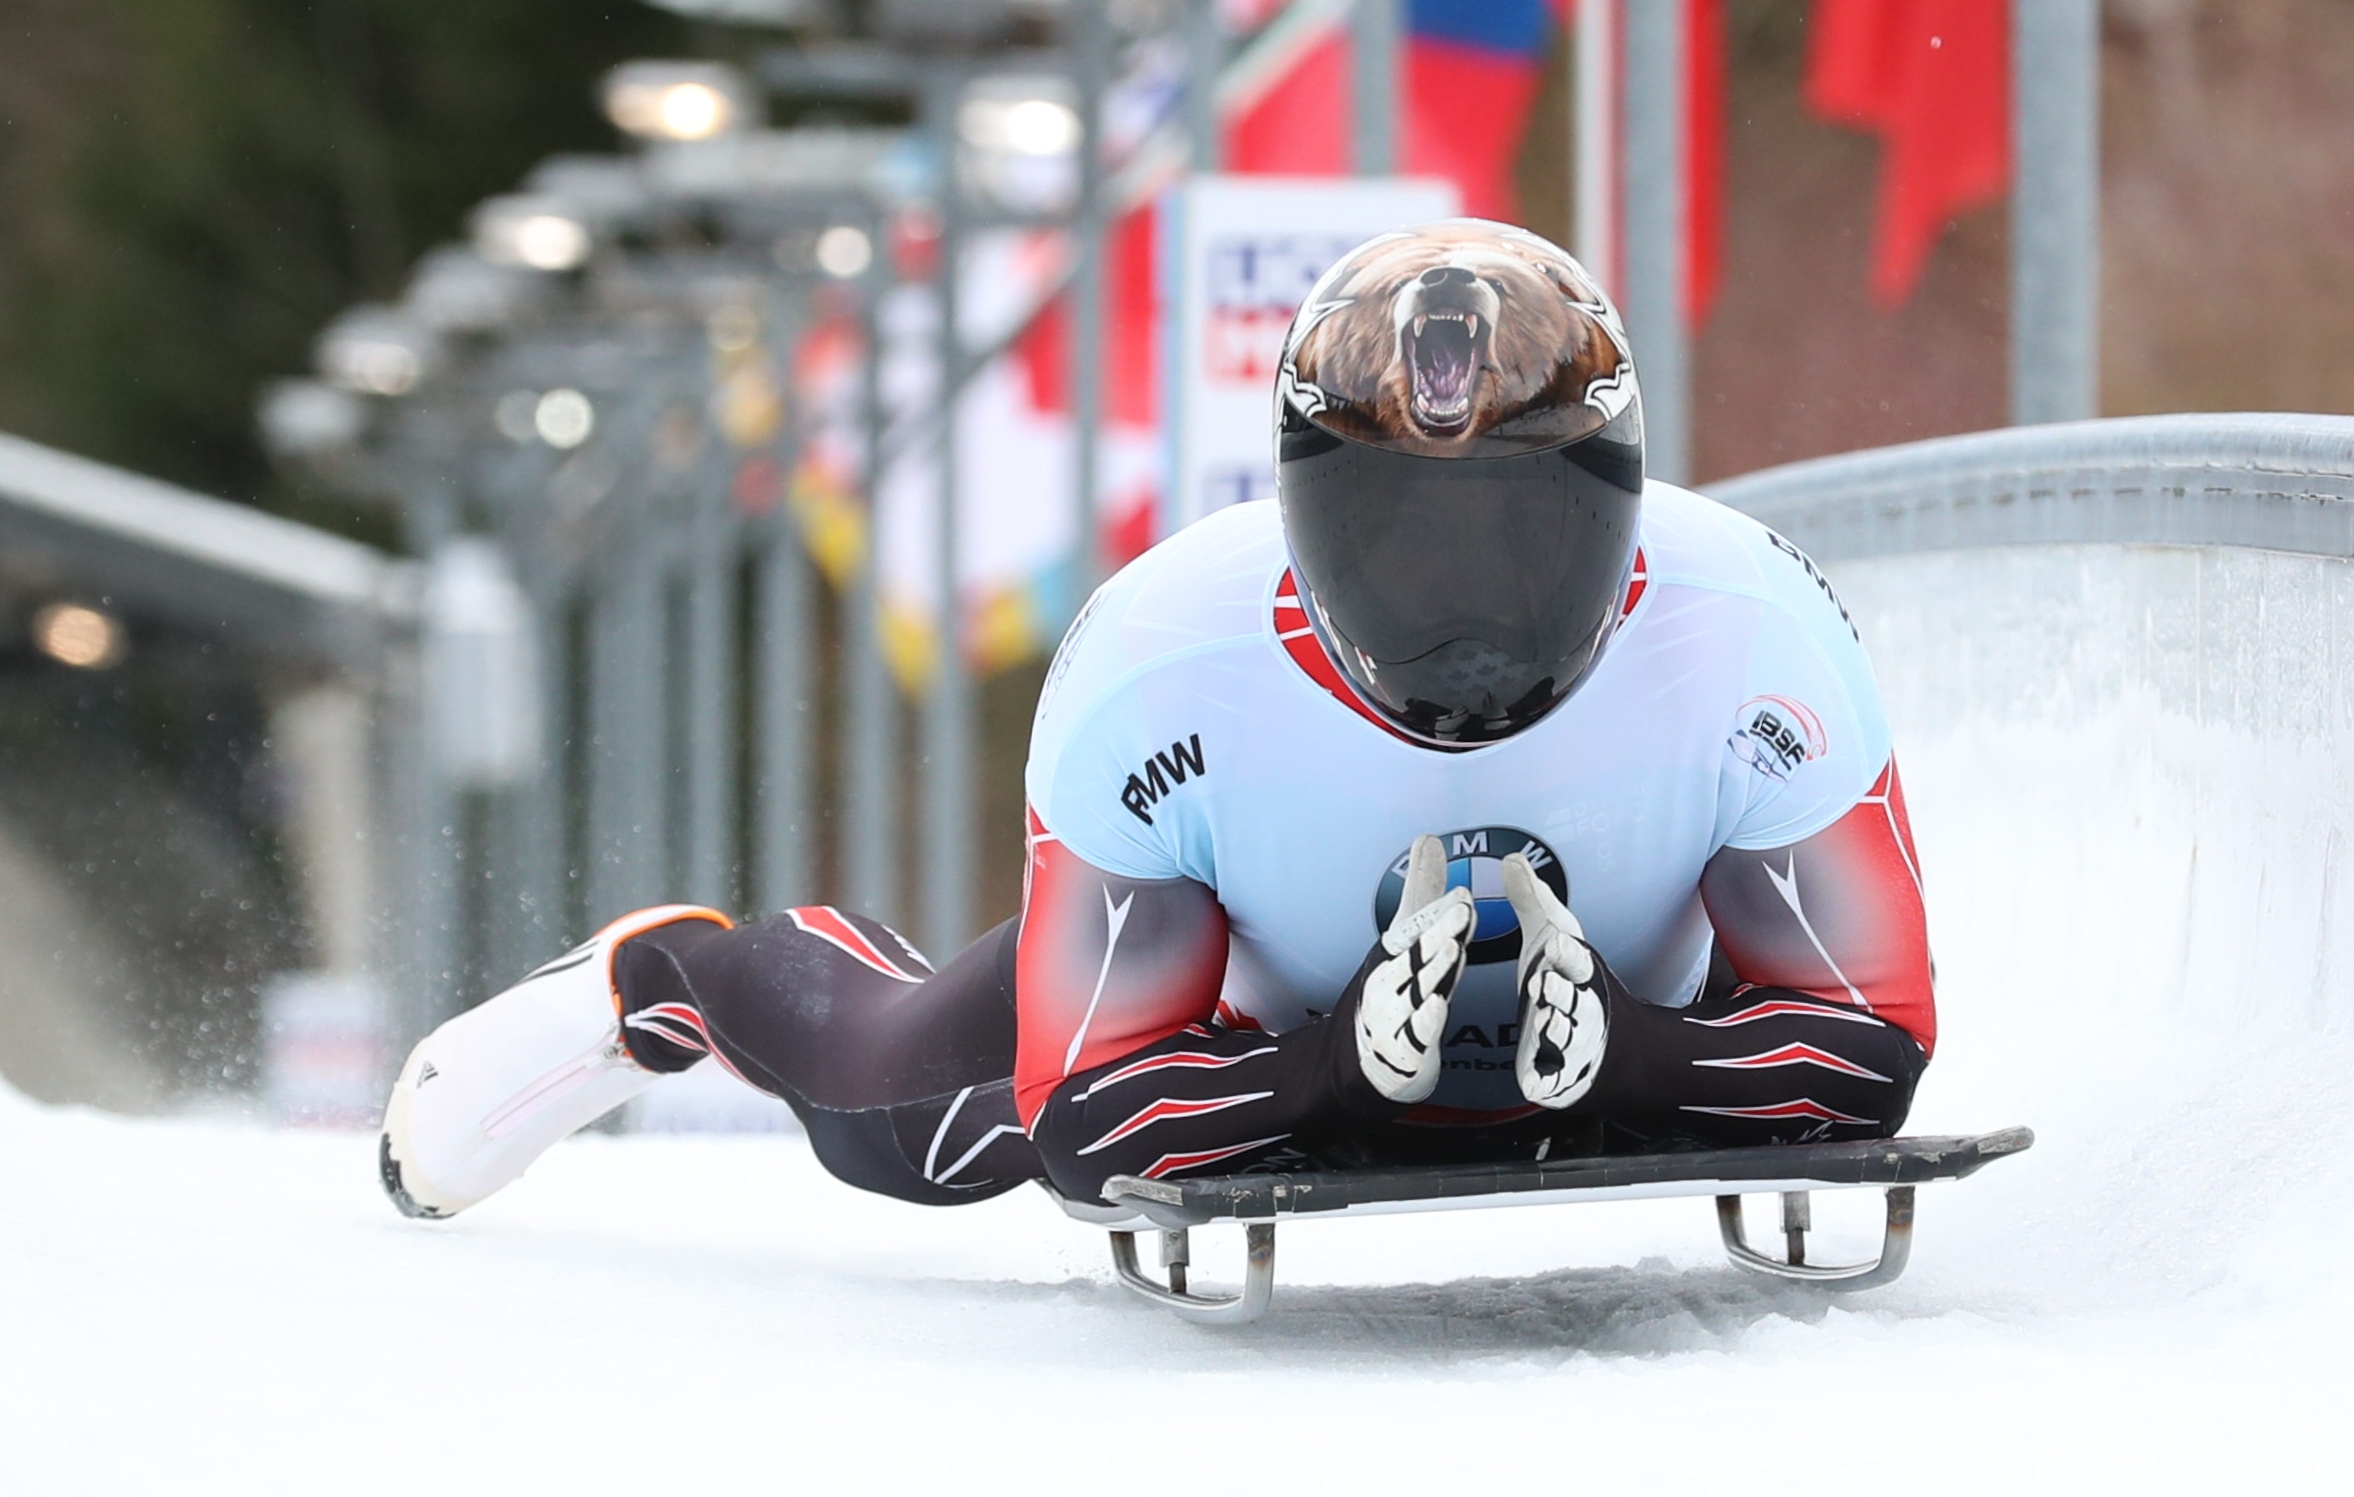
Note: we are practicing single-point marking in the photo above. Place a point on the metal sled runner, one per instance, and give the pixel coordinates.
(1791, 1171)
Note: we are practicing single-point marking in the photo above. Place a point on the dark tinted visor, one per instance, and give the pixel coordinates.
(1465, 596)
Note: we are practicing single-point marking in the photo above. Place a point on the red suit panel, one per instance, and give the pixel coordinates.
(1105, 966)
(1837, 916)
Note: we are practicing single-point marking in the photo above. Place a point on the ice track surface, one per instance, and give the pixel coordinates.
(2137, 929)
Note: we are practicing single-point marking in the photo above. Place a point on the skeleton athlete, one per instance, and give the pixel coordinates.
(1475, 800)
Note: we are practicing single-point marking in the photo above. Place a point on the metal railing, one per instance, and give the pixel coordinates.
(2271, 482)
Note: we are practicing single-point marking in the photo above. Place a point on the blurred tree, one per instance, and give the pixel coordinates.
(191, 188)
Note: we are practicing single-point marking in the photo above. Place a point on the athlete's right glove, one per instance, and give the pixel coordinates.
(1564, 1020)
(1402, 1008)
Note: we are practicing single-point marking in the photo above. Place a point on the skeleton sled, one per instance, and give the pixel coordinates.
(1256, 1203)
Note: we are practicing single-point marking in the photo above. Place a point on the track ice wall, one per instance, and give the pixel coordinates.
(2134, 765)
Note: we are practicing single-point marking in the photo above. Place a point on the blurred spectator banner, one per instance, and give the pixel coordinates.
(323, 1050)
(1016, 584)
(1242, 252)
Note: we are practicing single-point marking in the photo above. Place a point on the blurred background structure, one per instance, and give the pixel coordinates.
(666, 444)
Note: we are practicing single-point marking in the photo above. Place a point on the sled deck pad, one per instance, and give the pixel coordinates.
(1173, 1204)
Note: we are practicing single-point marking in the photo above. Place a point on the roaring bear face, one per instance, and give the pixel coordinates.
(1459, 339)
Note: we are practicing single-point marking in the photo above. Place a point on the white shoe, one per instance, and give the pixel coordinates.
(491, 1090)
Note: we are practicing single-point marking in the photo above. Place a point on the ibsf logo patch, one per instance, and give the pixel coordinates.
(1475, 861)
(1777, 734)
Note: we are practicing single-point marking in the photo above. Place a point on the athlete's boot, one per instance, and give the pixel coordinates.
(491, 1090)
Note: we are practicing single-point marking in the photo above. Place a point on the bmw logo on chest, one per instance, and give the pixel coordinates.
(1475, 861)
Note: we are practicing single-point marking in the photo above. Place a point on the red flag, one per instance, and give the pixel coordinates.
(1704, 157)
(1131, 367)
(1466, 110)
(1933, 78)
(1851, 60)
(1948, 148)
(1472, 69)
(1301, 126)
(1131, 359)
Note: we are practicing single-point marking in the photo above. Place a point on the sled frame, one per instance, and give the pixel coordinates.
(1791, 1172)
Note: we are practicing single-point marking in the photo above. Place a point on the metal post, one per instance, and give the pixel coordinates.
(1087, 296)
(786, 869)
(498, 885)
(321, 736)
(712, 709)
(529, 916)
(414, 942)
(1373, 54)
(1205, 56)
(1653, 302)
(626, 725)
(540, 910)
(492, 820)
(950, 739)
(433, 899)
(870, 725)
(1596, 147)
(2055, 210)
(608, 664)
(438, 868)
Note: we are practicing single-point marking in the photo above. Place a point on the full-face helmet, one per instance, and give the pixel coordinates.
(1459, 461)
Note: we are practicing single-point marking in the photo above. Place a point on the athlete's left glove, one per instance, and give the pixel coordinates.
(1564, 1017)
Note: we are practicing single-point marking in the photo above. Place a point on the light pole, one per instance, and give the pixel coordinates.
(950, 727)
(870, 731)
(2055, 210)
(1094, 60)
(1374, 48)
(1652, 191)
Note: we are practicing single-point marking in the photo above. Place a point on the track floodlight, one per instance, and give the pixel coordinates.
(532, 230)
(373, 350)
(679, 100)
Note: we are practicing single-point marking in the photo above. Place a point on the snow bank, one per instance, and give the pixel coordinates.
(2124, 774)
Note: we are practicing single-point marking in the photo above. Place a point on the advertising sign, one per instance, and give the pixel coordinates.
(1240, 255)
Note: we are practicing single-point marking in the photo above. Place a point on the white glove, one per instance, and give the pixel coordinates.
(1564, 1026)
(1402, 1009)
